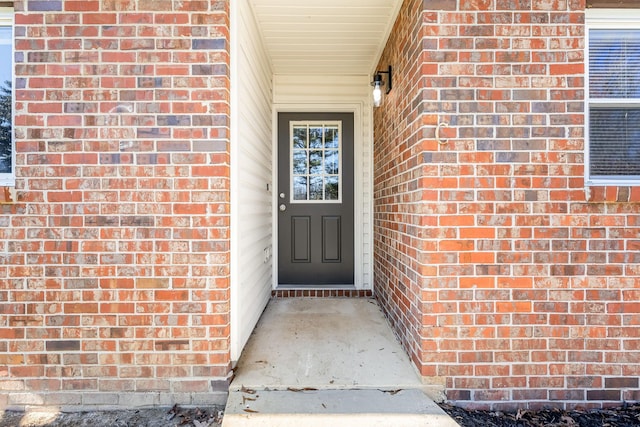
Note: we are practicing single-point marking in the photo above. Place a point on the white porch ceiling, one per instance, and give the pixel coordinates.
(325, 37)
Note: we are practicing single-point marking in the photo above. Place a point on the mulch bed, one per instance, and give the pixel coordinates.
(626, 416)
(152, 417)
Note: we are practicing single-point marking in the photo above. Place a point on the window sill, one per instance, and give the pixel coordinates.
(613, 194)
(7, 181)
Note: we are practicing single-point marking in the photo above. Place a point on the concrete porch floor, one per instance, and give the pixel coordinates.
(322, 358)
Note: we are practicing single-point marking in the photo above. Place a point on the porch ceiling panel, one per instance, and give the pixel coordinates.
(325, 37)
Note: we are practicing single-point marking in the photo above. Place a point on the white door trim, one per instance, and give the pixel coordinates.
(358, 140)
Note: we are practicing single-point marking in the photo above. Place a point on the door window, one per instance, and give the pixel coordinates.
(316, 162)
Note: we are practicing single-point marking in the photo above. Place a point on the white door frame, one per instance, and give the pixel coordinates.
(358, 140)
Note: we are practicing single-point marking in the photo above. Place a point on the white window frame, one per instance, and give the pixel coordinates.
(613, 19)
(9, 179)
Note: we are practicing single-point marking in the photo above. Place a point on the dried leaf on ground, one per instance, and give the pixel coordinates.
(301, 389)
(567, 420)
(246, 398)
(247, 390)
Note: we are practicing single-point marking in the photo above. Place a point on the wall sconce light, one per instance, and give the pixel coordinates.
(378, 83)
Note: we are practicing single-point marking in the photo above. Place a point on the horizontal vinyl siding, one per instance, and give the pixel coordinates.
(334, 89)
(254, 144)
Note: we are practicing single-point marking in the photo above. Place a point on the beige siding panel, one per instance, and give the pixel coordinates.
(292, 89)
(254, 131)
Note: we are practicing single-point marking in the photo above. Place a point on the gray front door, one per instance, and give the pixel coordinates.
(315, 198)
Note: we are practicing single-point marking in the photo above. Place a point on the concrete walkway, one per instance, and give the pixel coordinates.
(327, 362)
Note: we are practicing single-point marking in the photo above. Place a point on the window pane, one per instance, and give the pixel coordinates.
(331, 137)
(331, 162)
(614, 63)
(331, 188)
(299, 188)
(6, 102)
(614, 141)
(300, 137)
(315, 162)
(315, 188)
(315, 137)
(300, 162)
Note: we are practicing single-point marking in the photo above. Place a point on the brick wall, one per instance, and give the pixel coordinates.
(114, 259)
(516, 285)
(398, 212)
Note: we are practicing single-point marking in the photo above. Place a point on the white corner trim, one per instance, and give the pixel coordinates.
(234, 291)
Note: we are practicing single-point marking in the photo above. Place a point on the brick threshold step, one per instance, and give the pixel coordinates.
(332, 408)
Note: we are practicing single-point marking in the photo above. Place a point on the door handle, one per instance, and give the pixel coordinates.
(283, 207)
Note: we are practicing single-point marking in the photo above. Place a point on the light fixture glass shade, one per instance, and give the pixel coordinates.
(377, 93)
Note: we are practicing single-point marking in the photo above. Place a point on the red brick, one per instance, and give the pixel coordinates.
(81, 5)
(90, 243)
(600, 395)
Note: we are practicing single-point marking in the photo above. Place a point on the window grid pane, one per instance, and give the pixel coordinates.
(614, 134)
(315, 162)
(614, 111)
(614, 64)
